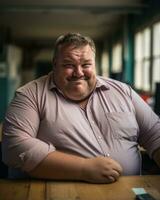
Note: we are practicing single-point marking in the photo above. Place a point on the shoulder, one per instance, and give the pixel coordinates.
(37, 85)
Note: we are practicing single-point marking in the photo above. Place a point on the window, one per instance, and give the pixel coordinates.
(117, 58)
(105, 64)
(142, 60)
(138, 61)
(156, 55)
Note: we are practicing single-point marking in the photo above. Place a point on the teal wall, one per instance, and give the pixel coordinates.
(128, 51)
(3, 78)
(8, 81)
(3, 97)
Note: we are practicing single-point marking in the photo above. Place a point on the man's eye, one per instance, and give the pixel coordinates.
(68, 65)
(86, 65)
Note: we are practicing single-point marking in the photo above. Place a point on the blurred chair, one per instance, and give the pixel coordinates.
(3, 167)
(157, 99)
(149, 166)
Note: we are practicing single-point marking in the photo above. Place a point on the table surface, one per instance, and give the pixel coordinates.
(51, 190)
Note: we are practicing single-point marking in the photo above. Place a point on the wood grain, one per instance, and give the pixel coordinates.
(50, 190)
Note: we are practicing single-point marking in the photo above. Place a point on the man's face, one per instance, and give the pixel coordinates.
(74, 71)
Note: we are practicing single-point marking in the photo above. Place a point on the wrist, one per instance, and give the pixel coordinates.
(85, 168)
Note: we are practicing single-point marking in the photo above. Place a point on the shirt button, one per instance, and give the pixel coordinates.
(99, 137)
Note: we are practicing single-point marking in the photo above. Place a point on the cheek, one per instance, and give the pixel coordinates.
(67, 76)
(89, 72)
(66, 73)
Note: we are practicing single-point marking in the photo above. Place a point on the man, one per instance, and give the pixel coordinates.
(74, 125)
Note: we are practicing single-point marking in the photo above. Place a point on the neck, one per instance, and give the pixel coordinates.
(83, 102)
(80, 100)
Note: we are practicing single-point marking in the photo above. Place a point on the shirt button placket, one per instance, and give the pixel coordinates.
(95, 131)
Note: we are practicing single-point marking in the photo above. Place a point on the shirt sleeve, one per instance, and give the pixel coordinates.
(149, 124)
(20, 146)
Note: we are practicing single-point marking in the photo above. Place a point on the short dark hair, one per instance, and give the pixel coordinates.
(75, 39)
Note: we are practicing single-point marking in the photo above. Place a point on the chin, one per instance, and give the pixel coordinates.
(73, 98)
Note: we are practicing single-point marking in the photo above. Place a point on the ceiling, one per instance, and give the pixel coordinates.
(41, 20)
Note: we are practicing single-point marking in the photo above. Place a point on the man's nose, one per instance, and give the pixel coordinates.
(78, 71)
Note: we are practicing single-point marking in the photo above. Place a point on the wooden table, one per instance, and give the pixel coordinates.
(50, 190)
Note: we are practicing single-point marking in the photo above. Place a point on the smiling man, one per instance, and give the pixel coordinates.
(75, 125)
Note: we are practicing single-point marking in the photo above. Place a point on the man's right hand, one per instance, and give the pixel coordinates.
(101, 170)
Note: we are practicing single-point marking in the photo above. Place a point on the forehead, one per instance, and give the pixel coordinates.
(72, 50)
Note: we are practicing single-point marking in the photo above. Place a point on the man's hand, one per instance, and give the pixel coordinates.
(101, 170)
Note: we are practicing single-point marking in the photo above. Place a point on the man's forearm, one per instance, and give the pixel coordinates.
(62, 166)
(59, 166)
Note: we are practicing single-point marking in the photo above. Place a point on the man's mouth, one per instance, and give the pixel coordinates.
(75, 79)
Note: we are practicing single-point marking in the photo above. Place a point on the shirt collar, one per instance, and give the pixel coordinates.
(51, 82)
(102, 83)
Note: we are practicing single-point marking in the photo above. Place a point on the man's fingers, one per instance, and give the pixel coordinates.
(113, 176)
(111, 179)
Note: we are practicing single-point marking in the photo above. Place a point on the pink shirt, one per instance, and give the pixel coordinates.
(40, 120)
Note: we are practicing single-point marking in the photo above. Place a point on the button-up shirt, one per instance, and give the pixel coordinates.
(115, 122)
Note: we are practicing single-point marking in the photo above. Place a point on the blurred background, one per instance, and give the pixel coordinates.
(126, 33)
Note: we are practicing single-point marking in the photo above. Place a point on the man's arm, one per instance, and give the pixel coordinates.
(62, 166)
(156, 157)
